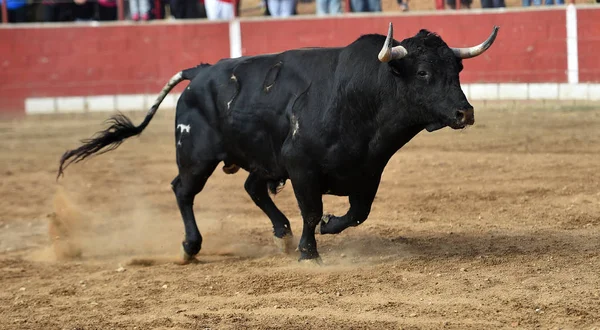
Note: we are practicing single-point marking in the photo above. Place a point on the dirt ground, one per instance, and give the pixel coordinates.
(492, 227)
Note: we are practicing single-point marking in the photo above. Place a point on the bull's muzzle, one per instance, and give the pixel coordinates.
(464, 118)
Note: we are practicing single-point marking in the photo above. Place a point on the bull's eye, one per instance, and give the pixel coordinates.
(422, 73)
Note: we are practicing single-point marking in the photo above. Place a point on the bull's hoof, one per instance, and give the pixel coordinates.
(186, 258)
(285, 244)
(324, 220)
(189, 250)
(314, 262)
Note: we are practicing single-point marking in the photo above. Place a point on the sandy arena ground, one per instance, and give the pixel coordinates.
(492, 227)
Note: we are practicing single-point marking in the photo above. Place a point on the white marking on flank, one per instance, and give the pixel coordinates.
(184, 128)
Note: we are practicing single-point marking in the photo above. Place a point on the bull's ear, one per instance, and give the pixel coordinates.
(388, 52)
(470, 52)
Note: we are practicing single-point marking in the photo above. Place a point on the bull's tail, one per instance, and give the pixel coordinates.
(121, 127)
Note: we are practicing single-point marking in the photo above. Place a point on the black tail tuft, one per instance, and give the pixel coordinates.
(120, 129)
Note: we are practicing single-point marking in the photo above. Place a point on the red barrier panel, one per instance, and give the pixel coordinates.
(588, 37)
(530, 47)
(4, 12)
(115, 59)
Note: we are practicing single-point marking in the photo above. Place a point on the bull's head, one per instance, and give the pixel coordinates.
(430, 69)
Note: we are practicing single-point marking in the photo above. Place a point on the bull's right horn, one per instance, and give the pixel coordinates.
(469, 52)
(388, 52)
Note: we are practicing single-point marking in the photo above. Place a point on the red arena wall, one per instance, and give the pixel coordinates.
(123, 58)
(115, 59)
(588, 37)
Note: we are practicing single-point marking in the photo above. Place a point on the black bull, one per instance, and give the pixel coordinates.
(328, 119)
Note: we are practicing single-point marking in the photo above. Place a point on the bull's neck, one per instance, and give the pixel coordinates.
(380, 121)
(382, 130)
(396, 126)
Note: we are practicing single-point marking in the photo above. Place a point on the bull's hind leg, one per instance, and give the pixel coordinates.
(257, 189)
(186, 186)
(197, 149)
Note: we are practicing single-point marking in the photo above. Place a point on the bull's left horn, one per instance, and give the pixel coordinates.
(388, 52)
(476, 50)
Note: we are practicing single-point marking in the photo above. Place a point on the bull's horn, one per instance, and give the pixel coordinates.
(476, 50)
(388, 52)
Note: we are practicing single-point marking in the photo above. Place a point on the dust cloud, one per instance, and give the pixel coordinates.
(135, 235)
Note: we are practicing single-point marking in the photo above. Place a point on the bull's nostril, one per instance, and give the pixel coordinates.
(460, 115)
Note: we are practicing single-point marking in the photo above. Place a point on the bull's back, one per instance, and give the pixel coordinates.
(255, 98)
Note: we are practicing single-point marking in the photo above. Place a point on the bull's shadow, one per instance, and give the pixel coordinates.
(443, 245)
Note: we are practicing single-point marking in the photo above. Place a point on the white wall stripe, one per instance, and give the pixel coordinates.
(101, 103)
(70, 104)
(35, 105)
(484, 91)
(543, 91)
(594, 92)
(573, 91)
(572, 51)
(513, 91)
(130, 102)
(474, 92)
(235, 39)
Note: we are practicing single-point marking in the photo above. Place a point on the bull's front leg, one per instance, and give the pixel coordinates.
(307, 192)
(360, 207)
